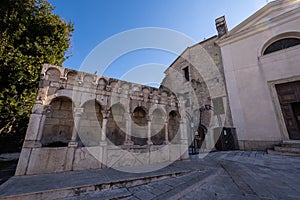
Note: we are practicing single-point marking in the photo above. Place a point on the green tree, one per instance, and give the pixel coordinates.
(30, 35)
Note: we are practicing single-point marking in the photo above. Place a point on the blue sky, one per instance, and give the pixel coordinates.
(97, 20)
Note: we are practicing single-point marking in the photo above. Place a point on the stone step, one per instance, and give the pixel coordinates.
(287, 149)
(120, 193)
(66, 192)
(291, 143)
(273, 152)
(194, 182)
(170, 188)
(173, 188)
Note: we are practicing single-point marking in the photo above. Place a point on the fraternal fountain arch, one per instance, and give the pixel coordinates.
(84, 121)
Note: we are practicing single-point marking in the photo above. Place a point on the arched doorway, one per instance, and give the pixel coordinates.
(200, 137)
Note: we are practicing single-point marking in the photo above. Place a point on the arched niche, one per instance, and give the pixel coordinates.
(158, 126)
(125, 88)
(72, 78)
(173, 127)
(114, 84)
(88, 80)
(53, 74)
(116, 125)
(139, 126)
(101, 84)
(136, 90)
(59, 123)
(90, 126)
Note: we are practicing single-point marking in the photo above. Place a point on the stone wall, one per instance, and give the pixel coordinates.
(84, 121)
(198, 75)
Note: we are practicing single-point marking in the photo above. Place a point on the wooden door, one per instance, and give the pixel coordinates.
(296, 111)
(289, 98)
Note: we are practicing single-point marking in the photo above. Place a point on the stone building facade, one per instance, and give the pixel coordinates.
(84, 121)
(261, 66)
(199, 76)
(250, 77)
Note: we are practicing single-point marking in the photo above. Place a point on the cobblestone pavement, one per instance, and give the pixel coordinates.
(252, 175)
(242, 175)
(219, 175)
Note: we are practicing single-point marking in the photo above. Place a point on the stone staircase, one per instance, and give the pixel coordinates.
(288, 148)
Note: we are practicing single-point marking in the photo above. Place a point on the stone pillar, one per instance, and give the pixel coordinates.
(183, 130)
(105, 114)
(103, 132)
(46, 110)
(36, 125)
(128, 127)
(181, 127)
(77, 114)
(183, 140)
(33, 136)
(149, 142)
(41, 127)
(128, 130)
(166, 134)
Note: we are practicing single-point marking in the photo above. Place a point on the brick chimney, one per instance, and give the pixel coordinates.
(221, 26)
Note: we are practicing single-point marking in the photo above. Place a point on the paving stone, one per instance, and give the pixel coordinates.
(130, 198)
(143, 195)
(200, 194)
(162, 187)
(229, 197)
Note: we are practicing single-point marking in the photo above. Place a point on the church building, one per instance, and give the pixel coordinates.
(261, 64)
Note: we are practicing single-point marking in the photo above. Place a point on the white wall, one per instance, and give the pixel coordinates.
(247, 75)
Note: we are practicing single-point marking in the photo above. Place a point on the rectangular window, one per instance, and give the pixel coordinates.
(186, 73)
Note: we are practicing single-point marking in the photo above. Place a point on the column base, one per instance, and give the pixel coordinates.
(149, 142)
(128, 143)
(73, 144)
(166, 142)
(32, 144)
(103, 143)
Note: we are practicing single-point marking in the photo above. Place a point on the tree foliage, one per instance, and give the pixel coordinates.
(30, 35)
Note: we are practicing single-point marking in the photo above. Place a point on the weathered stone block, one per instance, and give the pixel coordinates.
(23, 162)
(174, 152)
(45, 160)
(84, 159)
(33, 127)
(159, 155)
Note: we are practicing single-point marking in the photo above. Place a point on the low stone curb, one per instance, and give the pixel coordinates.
(84, 189)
